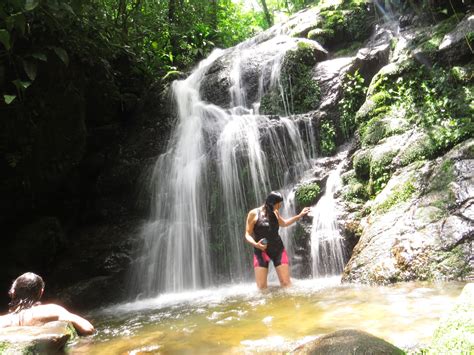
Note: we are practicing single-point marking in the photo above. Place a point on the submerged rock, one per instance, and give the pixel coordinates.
(349, 341)
(50, 338)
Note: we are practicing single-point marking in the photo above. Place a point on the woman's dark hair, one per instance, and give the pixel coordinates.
(26, 290)
(272, 199)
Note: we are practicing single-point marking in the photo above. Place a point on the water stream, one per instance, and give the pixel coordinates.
(237, 318)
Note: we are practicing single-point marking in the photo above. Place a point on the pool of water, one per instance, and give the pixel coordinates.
(240, 319)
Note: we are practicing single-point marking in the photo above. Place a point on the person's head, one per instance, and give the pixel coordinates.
(274, 200)
(25, 291)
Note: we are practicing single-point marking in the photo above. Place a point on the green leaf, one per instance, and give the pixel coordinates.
(5, 39)
(30, 69)
(40, 56)
(20, 22)
(9, 98)
(62, 54)
(31, 4)
(21, 84)
(68, 8)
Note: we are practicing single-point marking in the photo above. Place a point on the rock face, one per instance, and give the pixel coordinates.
(421, 224)
(349, 341)
(455, 331)
(51, 338)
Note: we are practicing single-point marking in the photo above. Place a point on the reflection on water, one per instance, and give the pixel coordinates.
(238, 318)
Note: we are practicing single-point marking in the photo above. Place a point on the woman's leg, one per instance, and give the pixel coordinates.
(261, 277)
(283, 272)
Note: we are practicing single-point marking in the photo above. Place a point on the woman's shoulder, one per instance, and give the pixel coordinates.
(254, 211)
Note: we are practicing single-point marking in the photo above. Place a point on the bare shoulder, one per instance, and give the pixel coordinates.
(51, 308)
(253, 213)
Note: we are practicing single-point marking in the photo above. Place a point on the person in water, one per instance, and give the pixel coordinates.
(261, 232)
(25, 308)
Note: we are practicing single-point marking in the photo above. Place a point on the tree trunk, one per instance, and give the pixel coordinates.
(268, 17)
(172, 26)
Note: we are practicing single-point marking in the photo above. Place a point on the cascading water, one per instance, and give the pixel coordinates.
(327, 247)
(220, 163)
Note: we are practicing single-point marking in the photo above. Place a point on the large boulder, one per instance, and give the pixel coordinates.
(252, 72)
(50, 338)
(454, 47)
(420, 225)
(349, 342)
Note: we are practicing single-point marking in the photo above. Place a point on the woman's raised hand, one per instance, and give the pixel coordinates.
(304, 212)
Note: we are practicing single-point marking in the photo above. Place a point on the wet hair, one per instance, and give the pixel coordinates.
(272, 199)
(25, 292)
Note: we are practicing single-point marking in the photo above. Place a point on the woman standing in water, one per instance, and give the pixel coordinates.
(261, 232)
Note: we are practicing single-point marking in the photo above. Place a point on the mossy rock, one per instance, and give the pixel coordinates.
(420, 148)
(50, 338)
(320, 35)
(398, 195)
(455, 332)
(302, 93)
(361, 163)
(307, 194)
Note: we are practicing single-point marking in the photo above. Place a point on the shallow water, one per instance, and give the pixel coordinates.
(240, 319)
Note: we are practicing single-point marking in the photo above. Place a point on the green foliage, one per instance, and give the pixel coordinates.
(400, 194)
(348, 21)
(306, 194)
(297, 92)
(380, 172)
(353, 96)
(435, 100)
(327, 138)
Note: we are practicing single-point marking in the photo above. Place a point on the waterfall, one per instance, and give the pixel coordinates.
(327, 247)
(219, 164)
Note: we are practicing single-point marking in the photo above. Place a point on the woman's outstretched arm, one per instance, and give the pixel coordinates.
(288, 222)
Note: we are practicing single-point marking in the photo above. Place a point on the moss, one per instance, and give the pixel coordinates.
(429, 42)
(380, 172)
(373, 132)
(356, 192)
(298, 92)
(349, 21)
(361, 163)
(307, 194)
(327, 138)
(400, 194)
(420, 150)
(348, 51)
(320, 35)
(443, 177)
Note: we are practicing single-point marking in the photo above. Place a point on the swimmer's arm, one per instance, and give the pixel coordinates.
(83, 326)
(249, 231)
(288, 222)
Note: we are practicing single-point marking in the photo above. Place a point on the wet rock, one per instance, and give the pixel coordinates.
(349, 341)
(454, 333)
(50, 338)
(256, 63)
(419, 227)
(454, 47)
(36, 246)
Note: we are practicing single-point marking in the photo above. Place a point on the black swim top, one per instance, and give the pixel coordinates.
(267, 228)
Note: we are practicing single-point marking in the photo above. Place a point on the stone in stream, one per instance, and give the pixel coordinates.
(50, 338)
(349, 341)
